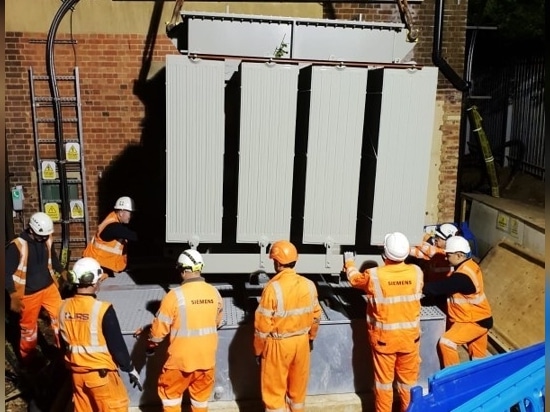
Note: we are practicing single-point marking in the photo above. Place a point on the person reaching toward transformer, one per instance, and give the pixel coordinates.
(393, 293)
(469, 312)
(191, 314)
(109, 244)
(431, 257)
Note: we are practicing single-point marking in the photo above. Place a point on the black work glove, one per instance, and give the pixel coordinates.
(310, 345)
(134, 379)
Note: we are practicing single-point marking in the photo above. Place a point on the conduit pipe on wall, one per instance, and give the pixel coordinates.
(458, 82)
(58, 128)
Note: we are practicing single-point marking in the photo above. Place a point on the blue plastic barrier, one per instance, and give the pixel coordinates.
(469, 236)
(525, 388)
(454, 386)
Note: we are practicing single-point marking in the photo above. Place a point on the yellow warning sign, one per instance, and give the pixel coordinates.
(48, 170)
(72, 152)
(77, 209)
(503, 222)
(52, 210)
(514, 227)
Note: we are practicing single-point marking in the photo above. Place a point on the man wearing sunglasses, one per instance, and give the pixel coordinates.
(31, 281)
(469, 312)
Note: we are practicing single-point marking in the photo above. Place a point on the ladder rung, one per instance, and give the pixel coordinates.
(52, 120)
(66, 140)
(45, 77)
(48, 102)
(56, 182)
(72, 241)
(71, 220)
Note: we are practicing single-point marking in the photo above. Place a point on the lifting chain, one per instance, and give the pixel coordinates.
(406, 16)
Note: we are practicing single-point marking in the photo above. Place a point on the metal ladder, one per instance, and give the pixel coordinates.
(48, 161)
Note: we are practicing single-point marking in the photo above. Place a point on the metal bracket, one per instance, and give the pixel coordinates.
(328, 245)
(194, 242)
(263, 242)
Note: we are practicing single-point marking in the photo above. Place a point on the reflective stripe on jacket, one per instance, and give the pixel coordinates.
(288, 307)
(190, 314)
(20, 275)
(393, 293)
(80, 326)
(469, 308)
(109, 254)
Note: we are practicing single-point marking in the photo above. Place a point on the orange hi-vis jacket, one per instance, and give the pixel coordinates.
(80, 326)
(191, 314)
(20, 275)
(109, 254)
(435, 264)
(289, 306)
(469, 308)
(393, 293)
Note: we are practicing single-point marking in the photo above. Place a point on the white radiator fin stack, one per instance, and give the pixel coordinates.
(194, 149)
(404, 147)
(266, 155)
(337, 110)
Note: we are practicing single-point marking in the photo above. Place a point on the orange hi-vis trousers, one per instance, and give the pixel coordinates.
(404, 367)
(471, 334)
(49, 299)
(173, 383)
(285, 373)
(95, 393)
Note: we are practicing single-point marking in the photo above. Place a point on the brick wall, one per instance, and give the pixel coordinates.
(119, 142)
(123, 129)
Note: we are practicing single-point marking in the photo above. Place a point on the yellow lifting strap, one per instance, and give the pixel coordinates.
(475, 121)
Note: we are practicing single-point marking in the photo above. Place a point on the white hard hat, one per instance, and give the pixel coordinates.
(446, 230)
(124, 203)
(457, 244)
(190, 259)
(86, 272)
(396, 246)
(41, 224)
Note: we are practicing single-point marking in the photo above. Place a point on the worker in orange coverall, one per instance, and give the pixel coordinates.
(469, 312)
(393, 293)
(93, 345)
(191, 314)
(286, 324)
(32, 282)
(432, 258)
(108, 246)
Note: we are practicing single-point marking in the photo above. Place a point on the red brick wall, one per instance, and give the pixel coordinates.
(113, 116)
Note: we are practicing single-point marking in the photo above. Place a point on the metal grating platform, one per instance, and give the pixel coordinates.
(232, 315)
(135, 308)
(431, 313)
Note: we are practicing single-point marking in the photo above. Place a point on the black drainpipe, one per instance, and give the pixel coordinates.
(59, 140)
(458, 82)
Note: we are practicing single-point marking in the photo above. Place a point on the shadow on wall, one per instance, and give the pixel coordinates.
(139, 172)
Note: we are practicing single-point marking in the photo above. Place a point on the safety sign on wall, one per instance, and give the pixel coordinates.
(48, 170)
(72, 152)
(77, 209)
(52, 210)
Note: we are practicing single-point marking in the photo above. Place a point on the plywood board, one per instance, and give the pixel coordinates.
(514, 285)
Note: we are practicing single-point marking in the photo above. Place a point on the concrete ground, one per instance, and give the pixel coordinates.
(346, 402)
